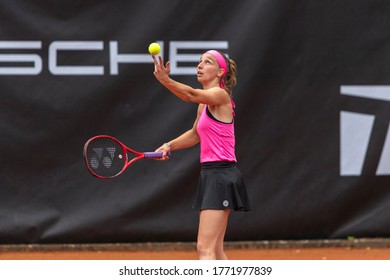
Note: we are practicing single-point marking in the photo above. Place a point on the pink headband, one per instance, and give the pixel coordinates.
(222, 63)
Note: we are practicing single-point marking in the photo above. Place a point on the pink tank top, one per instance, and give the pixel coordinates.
(217, 139)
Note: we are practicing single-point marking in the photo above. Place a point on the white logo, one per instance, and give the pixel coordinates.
(31, 63)
(356, 131)
(225, 203)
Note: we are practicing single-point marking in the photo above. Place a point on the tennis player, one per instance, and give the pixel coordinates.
(221, 187)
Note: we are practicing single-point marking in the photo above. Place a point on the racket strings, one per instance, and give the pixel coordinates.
(105, 157)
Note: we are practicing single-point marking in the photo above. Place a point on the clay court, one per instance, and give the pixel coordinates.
(360, 249)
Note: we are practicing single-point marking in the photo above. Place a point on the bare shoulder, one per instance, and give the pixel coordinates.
(220, 92)
(215, 96)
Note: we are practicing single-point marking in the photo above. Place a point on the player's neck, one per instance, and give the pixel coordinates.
(209, 85)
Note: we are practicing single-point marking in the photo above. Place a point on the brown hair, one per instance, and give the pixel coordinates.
(231, 75)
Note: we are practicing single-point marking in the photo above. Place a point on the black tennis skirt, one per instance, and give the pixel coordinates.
(221, 186)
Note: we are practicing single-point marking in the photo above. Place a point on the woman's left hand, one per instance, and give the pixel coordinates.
(161, 72)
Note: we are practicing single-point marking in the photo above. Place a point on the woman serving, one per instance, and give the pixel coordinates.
(221, 187)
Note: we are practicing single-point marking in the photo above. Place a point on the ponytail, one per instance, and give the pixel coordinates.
(231, 76)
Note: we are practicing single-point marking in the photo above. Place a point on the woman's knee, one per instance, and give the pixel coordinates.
(205, 250)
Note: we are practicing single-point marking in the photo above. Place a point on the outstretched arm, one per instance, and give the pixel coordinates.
(212, 96)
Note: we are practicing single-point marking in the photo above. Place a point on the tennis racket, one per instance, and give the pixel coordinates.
(106, 157)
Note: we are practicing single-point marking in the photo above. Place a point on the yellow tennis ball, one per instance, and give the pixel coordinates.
(154, 48)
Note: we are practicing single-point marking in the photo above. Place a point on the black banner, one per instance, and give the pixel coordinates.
(312, 117)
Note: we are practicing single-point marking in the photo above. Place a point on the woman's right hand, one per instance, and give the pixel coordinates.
(165, 148)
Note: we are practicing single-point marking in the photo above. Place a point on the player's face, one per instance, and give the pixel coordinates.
(208, 68)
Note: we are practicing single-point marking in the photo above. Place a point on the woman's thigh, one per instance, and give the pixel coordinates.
(212, 224)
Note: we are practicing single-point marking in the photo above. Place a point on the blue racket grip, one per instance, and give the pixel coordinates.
(155, 154)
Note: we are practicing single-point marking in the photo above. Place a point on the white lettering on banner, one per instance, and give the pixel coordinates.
(35, 59)
(116, 58)
(32, 62)
(58, 46)
(355, 133)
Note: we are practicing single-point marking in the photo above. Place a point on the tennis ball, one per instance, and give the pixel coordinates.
(154, 48)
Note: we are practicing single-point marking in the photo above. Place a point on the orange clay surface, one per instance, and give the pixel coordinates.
(234, 254)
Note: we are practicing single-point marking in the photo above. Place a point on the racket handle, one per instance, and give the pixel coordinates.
(155, 154)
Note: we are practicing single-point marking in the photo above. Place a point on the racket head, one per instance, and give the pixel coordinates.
(105, 156)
